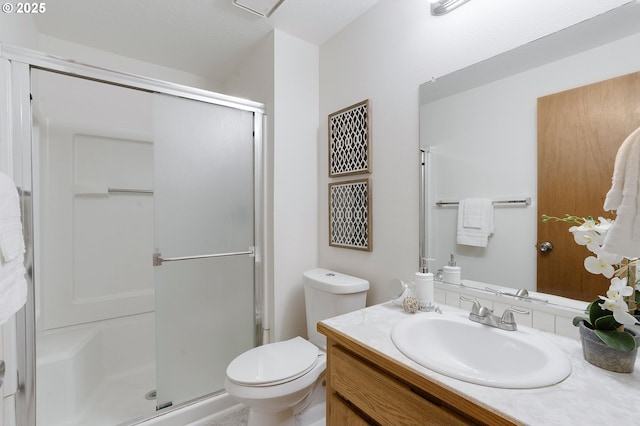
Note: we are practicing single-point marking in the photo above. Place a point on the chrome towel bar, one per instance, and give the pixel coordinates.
(522, 201)
(129, 191)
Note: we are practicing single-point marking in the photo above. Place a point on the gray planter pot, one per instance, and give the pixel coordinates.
(599, 354)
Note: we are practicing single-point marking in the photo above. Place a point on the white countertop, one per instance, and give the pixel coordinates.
(589, 396)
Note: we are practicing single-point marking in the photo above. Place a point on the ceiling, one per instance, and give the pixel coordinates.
(203, 37)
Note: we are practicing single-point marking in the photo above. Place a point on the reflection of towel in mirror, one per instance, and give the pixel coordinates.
(475, 221)
(623, 238)
(13, 286)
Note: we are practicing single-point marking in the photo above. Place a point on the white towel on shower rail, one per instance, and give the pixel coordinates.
(13, 286)
(475, 222)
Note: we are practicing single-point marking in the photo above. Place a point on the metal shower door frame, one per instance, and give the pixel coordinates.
(15, 126)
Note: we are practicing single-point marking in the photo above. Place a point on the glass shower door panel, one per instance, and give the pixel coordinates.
(204, 204)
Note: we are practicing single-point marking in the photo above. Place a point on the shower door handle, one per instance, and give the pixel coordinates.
(158, 260)
(1, 373)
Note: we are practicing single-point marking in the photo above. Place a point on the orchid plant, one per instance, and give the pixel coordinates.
(608, 314)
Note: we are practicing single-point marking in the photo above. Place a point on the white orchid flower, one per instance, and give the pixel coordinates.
(591, 233)
(597, 266)
(582, 237)
(619, 288)
(615, 303)
(620, 310)
(603, 225)
(587, 225)
(611, 259)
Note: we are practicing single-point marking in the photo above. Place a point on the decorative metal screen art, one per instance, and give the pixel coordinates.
(349, 214)
(349, 140)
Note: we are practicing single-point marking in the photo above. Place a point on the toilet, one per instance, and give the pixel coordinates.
(282, 383)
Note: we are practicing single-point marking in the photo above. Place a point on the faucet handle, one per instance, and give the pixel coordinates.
(484, 312)
(507, 315)
(475, 309)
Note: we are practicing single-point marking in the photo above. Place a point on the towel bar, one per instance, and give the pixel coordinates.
(129, 191)
(524, 201)
(158, 260)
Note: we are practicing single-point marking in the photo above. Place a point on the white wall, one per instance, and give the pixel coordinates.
(295, 151)
(384, 56)
(18, 29)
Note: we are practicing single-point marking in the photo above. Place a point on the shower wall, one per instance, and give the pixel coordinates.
(95, 140)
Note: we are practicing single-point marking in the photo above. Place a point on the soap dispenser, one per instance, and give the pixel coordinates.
(424, 284)
(451, 273)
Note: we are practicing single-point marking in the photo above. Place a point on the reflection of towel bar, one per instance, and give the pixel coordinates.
(158, 259)
(522, 201)
(129, 191)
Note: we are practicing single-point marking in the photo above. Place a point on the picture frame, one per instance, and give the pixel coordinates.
(350, 214)
(350, 140)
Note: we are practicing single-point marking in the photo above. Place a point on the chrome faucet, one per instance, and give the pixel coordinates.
(484, 315)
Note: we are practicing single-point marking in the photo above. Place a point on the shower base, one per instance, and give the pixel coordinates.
(96, 374)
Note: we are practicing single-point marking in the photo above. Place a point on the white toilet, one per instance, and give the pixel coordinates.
(282, 382)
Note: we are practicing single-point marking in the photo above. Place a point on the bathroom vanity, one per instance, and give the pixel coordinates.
(369, 381)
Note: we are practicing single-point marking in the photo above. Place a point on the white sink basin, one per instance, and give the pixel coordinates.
(457, 347)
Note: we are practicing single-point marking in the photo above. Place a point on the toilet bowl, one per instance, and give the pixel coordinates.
(274, 382)
(282, 383)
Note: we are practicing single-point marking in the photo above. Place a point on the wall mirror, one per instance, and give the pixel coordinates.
(478, 134)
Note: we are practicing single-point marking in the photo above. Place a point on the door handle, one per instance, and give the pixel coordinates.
(546, 247)
(1, 373)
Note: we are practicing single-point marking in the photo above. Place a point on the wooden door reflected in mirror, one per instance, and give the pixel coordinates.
(579, 133)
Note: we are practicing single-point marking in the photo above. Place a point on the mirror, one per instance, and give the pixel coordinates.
(478, 135)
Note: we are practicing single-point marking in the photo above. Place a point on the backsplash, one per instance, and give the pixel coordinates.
(554, 316)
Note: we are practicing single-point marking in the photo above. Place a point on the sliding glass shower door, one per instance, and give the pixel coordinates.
(204, 239)
(127, 182)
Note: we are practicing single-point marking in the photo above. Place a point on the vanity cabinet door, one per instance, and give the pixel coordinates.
(380, 397)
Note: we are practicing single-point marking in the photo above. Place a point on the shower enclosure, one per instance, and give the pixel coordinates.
(146, 277)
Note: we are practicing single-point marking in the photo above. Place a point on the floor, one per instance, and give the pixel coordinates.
(236, 418)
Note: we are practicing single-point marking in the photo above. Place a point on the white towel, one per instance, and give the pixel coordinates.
(475, 221)
(13, 286)
(623, 237)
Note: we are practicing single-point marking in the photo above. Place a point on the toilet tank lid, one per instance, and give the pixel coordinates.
(334, 282)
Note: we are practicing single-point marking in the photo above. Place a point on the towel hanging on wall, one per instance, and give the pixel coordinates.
(13, 285)
(475, 221)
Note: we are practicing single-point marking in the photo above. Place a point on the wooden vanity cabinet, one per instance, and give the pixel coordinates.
(365, 387)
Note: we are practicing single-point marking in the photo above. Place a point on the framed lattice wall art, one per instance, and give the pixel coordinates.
(349, 140)
(350, 214)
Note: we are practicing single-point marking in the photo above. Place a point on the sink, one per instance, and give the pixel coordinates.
(453, 345)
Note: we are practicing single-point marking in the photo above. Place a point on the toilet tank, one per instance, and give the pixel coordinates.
(328, 294)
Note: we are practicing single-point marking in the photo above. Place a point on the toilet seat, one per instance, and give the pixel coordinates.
(274, 363)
